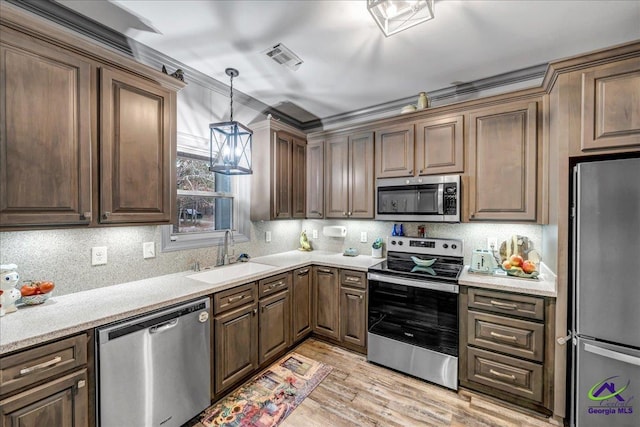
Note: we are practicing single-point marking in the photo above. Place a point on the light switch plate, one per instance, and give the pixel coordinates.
(99, 255)
(363, 237)
(315, 234)
(267, 236)
(148, 250)
(492, 243)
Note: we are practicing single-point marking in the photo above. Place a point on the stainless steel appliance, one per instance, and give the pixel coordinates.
(413, 308)
(155, 370)
(427, 198)
(605, 372)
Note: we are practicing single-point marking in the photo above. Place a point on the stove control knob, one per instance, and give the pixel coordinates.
(445, 246)
(393, 242)
(400, 242)
(454, 246)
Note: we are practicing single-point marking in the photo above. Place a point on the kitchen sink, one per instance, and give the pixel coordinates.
(230, 272)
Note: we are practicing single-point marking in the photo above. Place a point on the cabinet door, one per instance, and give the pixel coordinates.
(282, 185)
(440, 146)
(298, 178)
(353, 316)
(326, 308)
(336, 174)
(315, 180)
(394, 151)
(361, 177)
(502, 163)
(136, 150)
(275, 325)
(45, 136)
(62, 403)
(611, 106)
(301, 303)
(235, 346)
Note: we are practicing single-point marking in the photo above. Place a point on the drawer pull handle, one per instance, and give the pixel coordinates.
(352, 279)
(504, 337)
(503, 305)
(273, 285)
(501, 375)
(324, 270)
(238, 298)
(43, 365)
(303, 272)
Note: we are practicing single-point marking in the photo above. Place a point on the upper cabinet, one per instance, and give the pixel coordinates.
(610, 106)
(440, 145)
(87, 135)
(394, 151)
(349, 179)
(503, 150)
(278, 183)
(315, 179)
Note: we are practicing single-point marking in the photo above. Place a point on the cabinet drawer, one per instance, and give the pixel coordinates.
(515, 376)
(31, 366)
(512, 304)
(234, 297)
(273, 284)
(512, 336)
(355, 279)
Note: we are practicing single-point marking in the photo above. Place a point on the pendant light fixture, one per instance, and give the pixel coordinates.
(393, 16)
(230, 147)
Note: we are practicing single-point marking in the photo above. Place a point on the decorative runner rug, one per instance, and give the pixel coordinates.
(267, 399)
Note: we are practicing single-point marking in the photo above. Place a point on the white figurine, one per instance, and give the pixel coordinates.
(9, 294)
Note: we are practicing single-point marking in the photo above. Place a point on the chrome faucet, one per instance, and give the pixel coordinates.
(226, 258)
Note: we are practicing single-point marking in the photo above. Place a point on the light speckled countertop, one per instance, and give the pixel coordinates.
(77, 312)
(544, 287)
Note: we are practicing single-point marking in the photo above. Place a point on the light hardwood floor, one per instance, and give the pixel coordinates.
(358, 393)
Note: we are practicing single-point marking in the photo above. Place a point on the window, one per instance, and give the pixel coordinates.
(207, 205)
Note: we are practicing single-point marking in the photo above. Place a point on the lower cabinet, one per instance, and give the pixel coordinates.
(275, 325)
(353, 309)
(301, 307)
(326, 302)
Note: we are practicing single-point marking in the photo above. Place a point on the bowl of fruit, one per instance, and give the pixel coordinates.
(516, 266)
(36, 292)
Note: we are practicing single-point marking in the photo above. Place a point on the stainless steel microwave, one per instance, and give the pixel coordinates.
(426, 198)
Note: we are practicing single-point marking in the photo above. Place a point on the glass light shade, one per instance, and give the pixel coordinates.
(230, 148)
(393, 16)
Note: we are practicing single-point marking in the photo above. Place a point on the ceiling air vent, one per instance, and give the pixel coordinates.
(284, 56)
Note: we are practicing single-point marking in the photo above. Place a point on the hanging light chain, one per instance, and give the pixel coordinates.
(231, 97)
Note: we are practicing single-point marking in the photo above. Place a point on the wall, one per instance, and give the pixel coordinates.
(64, 256)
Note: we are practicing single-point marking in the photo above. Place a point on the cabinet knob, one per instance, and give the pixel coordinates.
(81, 383)
(106, 215)
(348, 213)
(410, 171)
(86, 215)
(344, 214)
(473, 215)
(255, 311)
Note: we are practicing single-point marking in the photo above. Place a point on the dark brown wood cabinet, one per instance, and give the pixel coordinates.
(301, 304)
(349, 177)
(46, 385)
(315, 180)
(137, 157)
(353, 309)
(298, 178)
(506, 347)
(326, 302)
(45, 139)
(275, 325)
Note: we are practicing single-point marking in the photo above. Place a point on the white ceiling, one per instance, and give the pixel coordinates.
(348, 63)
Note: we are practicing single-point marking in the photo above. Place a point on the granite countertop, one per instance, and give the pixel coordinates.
(69, 314)
(546, 286)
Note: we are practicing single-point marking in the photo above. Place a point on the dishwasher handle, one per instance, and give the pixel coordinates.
(163, 326)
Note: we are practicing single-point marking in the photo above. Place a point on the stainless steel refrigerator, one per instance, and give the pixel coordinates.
(605, 374)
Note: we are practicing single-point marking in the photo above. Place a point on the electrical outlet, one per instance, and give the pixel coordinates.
(492, 243)
(363, 237)
(148, 250)
(267, 236)
(315, 234)
(99, 255)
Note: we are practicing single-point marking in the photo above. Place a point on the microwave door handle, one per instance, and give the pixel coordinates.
(440, 199)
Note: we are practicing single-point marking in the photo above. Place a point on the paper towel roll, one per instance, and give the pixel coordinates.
(334, 231)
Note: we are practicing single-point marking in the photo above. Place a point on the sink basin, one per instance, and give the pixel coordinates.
(230, 272)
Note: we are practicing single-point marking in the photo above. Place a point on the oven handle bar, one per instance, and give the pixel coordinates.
(436, 286)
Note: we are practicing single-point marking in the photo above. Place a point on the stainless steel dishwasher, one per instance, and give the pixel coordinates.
(155, 370)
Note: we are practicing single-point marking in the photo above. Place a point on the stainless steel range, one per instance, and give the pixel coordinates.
(413, 308)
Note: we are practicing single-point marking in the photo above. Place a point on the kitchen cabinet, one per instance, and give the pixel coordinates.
(278, 183)
(349, 178)
(326, 302)
(235, 335)
(506, 346)
(503, 163)
(45, 141)
(301, 304)
(315, 180)
(46, 385)
(274, 316)
(394, 151)
(353, 309)
(88, 135)
(440, 145)
(137, 157)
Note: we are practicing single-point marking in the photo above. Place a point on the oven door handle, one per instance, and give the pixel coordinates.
(424, 284)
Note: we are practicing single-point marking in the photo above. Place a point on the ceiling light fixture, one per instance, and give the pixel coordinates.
(232, 141)
(393, 16)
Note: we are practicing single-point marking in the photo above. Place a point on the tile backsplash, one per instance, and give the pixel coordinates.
(64, 256)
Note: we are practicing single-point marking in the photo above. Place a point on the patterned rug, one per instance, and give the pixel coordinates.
(267, 399)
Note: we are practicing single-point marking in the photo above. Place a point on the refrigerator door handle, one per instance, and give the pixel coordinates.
(625, 358)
